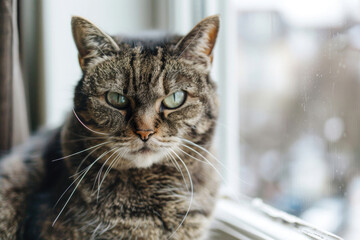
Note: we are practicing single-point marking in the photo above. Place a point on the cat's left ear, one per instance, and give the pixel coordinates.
(90, 41)
(197, 46)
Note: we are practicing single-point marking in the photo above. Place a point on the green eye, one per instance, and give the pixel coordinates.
(117, 100)
(175, 100)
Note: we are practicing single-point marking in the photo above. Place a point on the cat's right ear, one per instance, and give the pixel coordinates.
(90, 41)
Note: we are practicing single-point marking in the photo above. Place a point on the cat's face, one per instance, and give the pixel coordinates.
(145, 99)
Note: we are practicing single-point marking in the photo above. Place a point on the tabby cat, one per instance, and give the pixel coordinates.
(133, 159)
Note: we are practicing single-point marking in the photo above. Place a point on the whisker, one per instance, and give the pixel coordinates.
(85, 136)
(100, 170)
(233, 193)
(82, 177)
(192, 194)
(87, 126)
(84, 139)
(80, 151)
(179, 169)
(204, 149)
(206, 161)
(66, 191)
(170, 160)
(110, 166)
(78, 174)
(99, 182)
(224, 167)
(82, 162)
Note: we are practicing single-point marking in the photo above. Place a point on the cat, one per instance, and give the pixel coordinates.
(133, 159)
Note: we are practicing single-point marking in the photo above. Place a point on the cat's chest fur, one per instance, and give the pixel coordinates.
(136, 192)
(133, 204)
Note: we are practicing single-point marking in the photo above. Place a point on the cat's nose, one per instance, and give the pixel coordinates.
(144, 134)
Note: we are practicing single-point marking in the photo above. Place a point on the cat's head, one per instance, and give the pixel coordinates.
(146, 97)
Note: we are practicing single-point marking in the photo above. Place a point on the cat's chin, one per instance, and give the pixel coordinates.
(145, 158)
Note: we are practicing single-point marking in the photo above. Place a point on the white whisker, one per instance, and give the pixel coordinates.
(80, 151)
(191, 198)
(206, 160)
(84, 139)
(177, 166)
(82, 162)
(233, 193)
(82, 177)
(83, 124)
(98, 175)
(224, 167)
(66, 191)
(204, 149)
(114, 161)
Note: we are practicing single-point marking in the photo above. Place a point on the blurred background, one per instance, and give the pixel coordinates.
(289, 83)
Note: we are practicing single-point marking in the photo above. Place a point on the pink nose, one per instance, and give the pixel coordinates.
(144, 134)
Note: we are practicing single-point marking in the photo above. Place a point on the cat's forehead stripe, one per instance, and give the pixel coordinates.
(145, 72)
(158, 78)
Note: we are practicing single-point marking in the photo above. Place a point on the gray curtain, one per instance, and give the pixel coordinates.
(13, 114)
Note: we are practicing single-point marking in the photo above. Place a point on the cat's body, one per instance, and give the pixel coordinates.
(137, 164)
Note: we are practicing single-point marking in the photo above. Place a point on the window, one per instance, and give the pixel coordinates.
(290, 96)
(288, 76)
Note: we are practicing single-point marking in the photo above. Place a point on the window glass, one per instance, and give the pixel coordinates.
(298, 67)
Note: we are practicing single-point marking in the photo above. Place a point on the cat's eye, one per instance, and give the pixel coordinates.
(117, 100)
(175, 100)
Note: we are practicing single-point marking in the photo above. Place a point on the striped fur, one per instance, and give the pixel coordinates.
(120, 186)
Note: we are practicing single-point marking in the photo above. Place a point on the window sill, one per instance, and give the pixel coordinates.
(257, 221)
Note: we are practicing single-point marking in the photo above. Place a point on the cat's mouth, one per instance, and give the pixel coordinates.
(144, 149)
